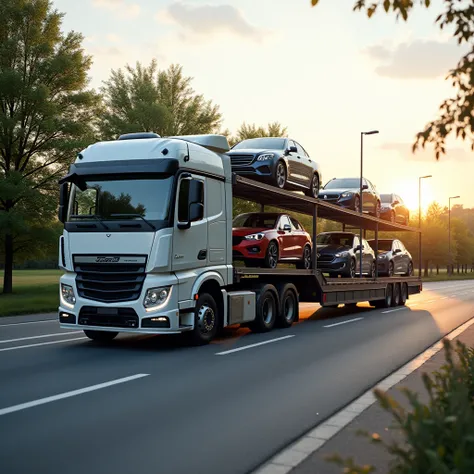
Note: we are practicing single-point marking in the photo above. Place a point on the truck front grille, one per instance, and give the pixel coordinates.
(110, 278)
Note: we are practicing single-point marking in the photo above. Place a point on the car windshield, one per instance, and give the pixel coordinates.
(386, 198)
(343, 240)
(148, 198)
(261, 143)
(384, 245)
(256, 221)
(343, 183)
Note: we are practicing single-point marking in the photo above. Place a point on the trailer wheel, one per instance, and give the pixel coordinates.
(206, 320)
(289, 306)
(266, 309)
(403, 294)
(100, 336)
(388, 296)
(396, 294)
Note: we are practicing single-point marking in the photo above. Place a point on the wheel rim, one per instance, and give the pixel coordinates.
(268, 310)
(307, 258)
(289, 308)
(315, 186)
(373, 270)
(281, 175)
(390, 269)
(353, 269)
(410, 269)
(377, 211)
(272, 255)
(206, 319)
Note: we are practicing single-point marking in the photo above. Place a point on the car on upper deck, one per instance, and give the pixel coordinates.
(278, 161)
(345, 192)
(394, 209)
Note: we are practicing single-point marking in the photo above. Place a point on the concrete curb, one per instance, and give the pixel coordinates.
(290, 457)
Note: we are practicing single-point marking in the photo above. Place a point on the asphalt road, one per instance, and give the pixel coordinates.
(150, 405)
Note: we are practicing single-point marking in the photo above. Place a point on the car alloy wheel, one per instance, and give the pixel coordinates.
(272, 255)
(307, 258)
(357, 204)
(281, 175)
(390, 269)
(315, 186)
(352, 268)
(377, 210)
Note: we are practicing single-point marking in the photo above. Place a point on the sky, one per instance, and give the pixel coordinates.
(326, 73)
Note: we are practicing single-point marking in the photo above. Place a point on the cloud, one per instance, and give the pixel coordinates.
(204, 20)
(121, 8)
(427, 154)
(416, 60)
(113, 38)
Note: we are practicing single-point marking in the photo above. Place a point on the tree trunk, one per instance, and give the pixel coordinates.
(426, 268)
(8, 275)
(437, 269)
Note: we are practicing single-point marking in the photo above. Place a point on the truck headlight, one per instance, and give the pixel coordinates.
(68, 298)
(258, 236)
(265, 157)
(156, 297)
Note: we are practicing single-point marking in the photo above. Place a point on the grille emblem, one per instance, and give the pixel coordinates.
(108, 235)
(325, 196)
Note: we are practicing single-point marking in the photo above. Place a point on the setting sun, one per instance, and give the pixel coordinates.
(410, 192)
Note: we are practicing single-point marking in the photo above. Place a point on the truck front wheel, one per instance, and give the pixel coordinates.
(206, 320)
(100, 336)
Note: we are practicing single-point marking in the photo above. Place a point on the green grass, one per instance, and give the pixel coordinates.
(34, 291)
(37, 291)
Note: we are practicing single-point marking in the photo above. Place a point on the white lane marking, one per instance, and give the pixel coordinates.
(73, 393)
(42, 344)
(393, 310)
(250, 346)
(39, 337)
(30, 322)
(342, 322)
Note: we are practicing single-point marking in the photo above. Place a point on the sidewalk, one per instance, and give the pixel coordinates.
(374, 420)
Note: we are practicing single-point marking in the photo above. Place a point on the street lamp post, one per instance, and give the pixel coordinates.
(449, 232)
(420, 262)
(361, 207)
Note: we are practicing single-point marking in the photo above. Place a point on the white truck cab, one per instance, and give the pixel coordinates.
(147, 237)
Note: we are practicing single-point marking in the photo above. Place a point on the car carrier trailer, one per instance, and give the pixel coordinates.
(147, 245)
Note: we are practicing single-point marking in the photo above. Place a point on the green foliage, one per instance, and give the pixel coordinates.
(147, 99)
(46, 115)
(456, 112)
(274, 129)
(438, 435)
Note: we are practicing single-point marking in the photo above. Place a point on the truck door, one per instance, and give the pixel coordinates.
(190, 235)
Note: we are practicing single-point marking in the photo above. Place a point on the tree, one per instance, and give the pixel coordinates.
(46, 116)
(456, 113)
(274, 129)
(146, 99)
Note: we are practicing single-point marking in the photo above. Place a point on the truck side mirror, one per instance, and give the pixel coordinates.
(191, 198)
(63, 202)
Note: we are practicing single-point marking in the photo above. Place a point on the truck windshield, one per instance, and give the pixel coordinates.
(148, 198)
(261, 144)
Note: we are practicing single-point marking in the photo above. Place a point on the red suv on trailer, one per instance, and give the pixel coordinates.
(264, 238)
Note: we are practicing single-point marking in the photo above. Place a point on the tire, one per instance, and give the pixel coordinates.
(372, 270)
(271, 255)
(352, 269)
(377, 210)
(289, 310)
(206, 320)
(403, 294)
(409, 270)
(390, 269)
(313, 190)
(357, 204)
(100, 336)
(280, 175)
(266, 309)
(396, 294)
(305, 263)
(387, 302)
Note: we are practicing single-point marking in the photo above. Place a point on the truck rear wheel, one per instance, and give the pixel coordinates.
(396, 294)
(289, 309)
(403, 294)
(100, 336)
(266, 309)
(206, 320)
(387, 302)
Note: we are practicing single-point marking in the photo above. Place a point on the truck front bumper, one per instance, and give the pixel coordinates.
(127, 316)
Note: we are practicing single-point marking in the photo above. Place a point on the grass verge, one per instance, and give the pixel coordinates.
(34, 291)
